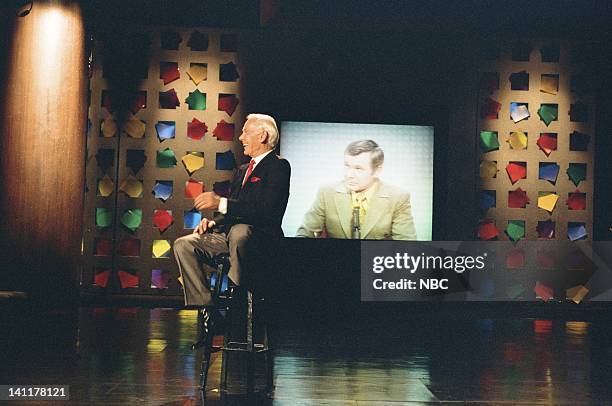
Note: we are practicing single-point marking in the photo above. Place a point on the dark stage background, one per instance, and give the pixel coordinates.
(402, 62)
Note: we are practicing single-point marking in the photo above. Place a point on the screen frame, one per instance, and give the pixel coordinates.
(436, 117)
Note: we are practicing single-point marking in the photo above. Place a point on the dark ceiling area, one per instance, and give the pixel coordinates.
(523, 18)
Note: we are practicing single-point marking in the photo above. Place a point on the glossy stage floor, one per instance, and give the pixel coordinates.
(409, 356)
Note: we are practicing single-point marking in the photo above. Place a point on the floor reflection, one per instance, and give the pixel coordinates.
(129, 355)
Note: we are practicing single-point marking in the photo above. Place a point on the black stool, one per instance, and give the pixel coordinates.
(226, 298)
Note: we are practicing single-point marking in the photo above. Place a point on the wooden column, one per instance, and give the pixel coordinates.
(42, 152)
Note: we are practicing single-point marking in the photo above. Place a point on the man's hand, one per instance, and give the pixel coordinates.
(207, 201)
(204, 225)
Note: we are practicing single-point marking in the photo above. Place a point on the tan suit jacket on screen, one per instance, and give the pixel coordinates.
(388, 217)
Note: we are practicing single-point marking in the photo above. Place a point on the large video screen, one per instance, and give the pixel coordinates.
(365, 181)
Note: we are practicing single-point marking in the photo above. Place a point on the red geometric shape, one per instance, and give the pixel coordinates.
(516, 171)
(102, 247)
(162, 219)
(576, 200)
(168, 99)
(228, 103)
(517, 199)
(196, 129)
(169, 72)
(224, 131)
(490, 109)
(101, 278)
(543, 292)
(515, 258)
(127, 280)
(193, 188)
(487, 230)
(129, 247)
(547, 142)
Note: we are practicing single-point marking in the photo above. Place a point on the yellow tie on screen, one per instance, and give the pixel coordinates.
(360, 200)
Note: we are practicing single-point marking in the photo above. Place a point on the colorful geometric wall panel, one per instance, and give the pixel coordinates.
(548, 160)
(136, 152)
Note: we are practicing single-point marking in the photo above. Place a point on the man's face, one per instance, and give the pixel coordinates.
(251, 139)
(358, 171)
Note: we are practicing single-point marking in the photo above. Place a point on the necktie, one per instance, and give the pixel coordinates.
(363, 208)
(248, 172)
(360, 201)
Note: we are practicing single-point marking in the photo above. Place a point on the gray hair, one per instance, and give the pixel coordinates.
(268, 124)
(361, 146)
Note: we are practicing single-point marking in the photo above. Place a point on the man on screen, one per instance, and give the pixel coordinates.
(361, 206)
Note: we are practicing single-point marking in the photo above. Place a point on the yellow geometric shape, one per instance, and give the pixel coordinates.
(548, 201)
(160, 248)
(549, 84)
(105, 186)
(134, 128)
(109, 128)
(132, 187)
(488, 169)
(192, 162)
(517, 140)
(197, 72)
(576, 294)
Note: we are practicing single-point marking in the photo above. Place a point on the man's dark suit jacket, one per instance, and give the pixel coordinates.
(263, 199)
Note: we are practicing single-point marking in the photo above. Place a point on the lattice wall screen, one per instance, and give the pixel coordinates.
(193, 74)
(542, 76)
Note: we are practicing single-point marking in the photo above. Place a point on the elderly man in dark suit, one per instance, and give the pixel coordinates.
(252, 213)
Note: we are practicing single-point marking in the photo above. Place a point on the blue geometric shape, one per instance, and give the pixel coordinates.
(549, 171)
(165, 130)
(225, 161)
(163, 189)
(192, 218)
(487, 199)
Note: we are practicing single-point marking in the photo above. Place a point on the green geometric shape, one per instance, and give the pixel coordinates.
(166, 158)
(489, 141)
(104, 217)
(576, 173)
(196, 100)
(515, 229)
(132, 219)
(548, 113)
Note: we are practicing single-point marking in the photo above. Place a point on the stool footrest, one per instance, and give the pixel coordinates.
(244, 347)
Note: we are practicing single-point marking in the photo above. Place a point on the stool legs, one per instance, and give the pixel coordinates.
(269, 359)
(250, 347)
(207, 350)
